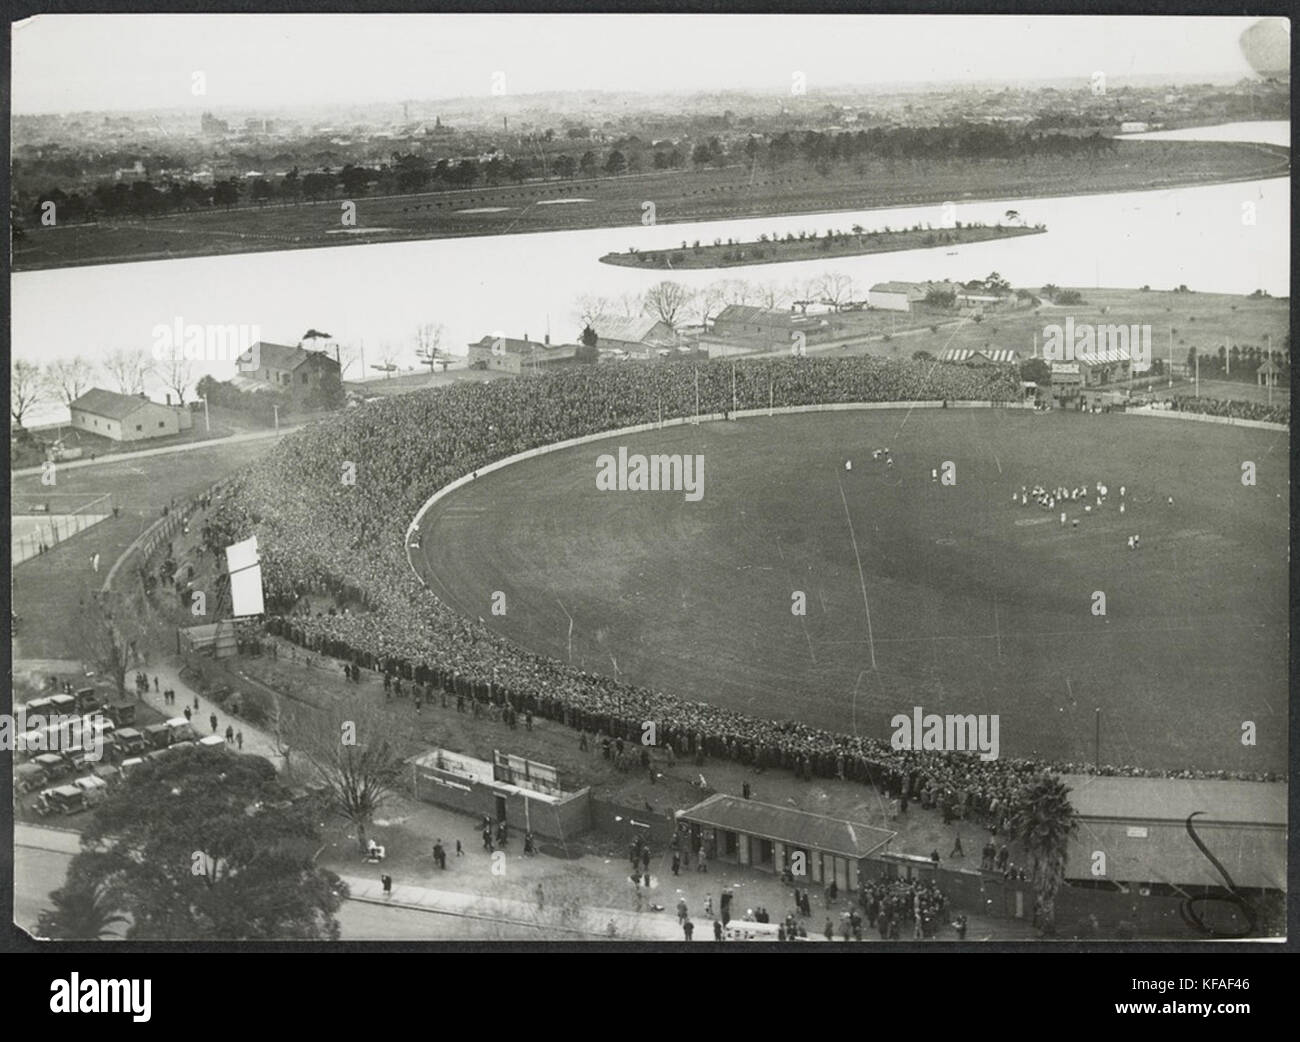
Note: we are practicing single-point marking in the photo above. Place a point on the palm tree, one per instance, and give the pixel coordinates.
(81, 912)
(1044, 823)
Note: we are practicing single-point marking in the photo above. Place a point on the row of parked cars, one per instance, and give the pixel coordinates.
(53, 759)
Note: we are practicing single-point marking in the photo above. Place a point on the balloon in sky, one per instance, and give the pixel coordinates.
(1267, 46)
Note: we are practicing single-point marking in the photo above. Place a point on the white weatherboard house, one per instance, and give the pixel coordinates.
(125, 417)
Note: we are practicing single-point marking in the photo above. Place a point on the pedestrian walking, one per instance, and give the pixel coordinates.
(155, 685)
(717, 930)
(387, 882)
(688, 928)
(188, 714)
(230, 735)
(239, 739)
(541, 897)
(677, 863)
(212, 719)
(460, 851)
(702, 862)
(196, 703)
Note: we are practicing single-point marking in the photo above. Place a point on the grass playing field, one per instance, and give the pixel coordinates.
(975, 604)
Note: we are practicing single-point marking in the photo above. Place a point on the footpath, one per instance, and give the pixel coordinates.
(122, 457)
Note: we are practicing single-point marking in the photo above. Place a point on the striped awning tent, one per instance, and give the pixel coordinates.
(998, 355)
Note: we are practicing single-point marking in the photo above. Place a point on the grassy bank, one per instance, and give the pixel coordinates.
(679, 196)
(765, 251)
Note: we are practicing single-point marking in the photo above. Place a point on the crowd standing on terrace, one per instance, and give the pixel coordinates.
(331, 506)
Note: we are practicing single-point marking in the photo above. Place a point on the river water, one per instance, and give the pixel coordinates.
(516, 284)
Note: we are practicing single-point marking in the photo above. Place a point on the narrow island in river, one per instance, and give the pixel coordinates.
(810, 245)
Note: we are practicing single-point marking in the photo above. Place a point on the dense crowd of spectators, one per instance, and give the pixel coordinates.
(332, 503)
(1238, 410)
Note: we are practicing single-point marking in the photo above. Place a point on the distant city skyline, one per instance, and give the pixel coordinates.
(125, 63)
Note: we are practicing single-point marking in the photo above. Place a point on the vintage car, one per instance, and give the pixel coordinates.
(94, 787)
(110, 774)
(53, 765)
(62, 799)
(159, 736)
(28, 777)
(129, 741)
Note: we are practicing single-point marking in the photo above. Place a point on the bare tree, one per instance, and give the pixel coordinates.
(354, 750)
(630, 304)
(428, 342)
(128, 367)
(666, 301)
(347, 355)
(113, 626)
(26, 388)
(388, 356)
(833, 288)
(738, 291)
(773, 296)
(177, 373)
(592, 309)
(709, 301)
(69, 378)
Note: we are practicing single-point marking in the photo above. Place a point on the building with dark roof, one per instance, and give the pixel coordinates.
(506, 354)
(640, 336)
(771, 837)
(294, 370)
(126, 417)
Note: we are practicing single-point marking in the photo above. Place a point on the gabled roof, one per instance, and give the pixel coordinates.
(109, 404)
(281, 356)
(512, 346)
(747, 313)
(797, 828)
(634, 330)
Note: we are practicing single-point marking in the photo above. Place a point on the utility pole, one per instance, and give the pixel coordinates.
(1198, 374)
(1097, 745)
(276, 407)
(1171, 356)
(207, 424)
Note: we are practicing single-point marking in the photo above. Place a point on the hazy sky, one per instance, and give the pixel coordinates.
(102, 62)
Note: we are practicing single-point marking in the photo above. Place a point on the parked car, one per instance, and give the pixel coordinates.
(129, 764)
(53, 765)
(110, 774)
(180, 729)
(62, 799)
(158, 736)
(90, 699)
(43, 706)
(213, 741)
(129, 741)
(28, 777)
(122, 715)
(65, 705)
(95, 788)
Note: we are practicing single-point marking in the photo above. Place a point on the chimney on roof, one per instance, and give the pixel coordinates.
(547, 340)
